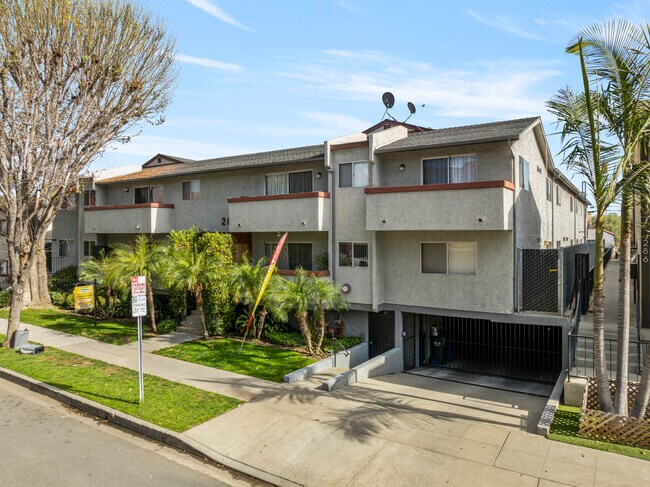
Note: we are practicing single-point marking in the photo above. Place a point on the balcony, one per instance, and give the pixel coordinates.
(295, 212)
(139, 218)
(484, 205)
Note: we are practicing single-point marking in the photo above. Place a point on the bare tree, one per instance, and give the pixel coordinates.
(74, 77)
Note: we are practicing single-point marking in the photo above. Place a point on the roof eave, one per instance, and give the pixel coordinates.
(452, 144)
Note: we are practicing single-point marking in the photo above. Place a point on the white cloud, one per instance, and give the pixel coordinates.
(498, 89)
(506, 25)
(210, 8)
(209, 63)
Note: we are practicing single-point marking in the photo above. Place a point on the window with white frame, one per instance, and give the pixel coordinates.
(549, 189)
(353, 254)
(558, 195)
(89, 197)
(291, 182)
(66, 248)
(89, 248)
(445, 170)
(4, 267)
(353, 175)
(293, 255)
(524, 174)
(148, 194)
(453, 258)
(191, 189)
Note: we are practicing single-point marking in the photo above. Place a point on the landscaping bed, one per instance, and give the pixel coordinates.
(565, 428)
(295, 340)
(117, 332)
(168, 404)
(256, 360)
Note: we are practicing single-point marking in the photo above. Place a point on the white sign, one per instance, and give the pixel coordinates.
(138, 296)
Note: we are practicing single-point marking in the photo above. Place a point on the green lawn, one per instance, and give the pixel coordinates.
(115, 332)
(168, 404)
(261, 361)
(565, 429)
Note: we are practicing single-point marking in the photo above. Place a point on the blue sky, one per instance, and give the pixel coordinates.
(263, 75)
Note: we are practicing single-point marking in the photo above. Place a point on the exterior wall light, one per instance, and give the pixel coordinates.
(319, 175)
(126, 190)
(402, 167)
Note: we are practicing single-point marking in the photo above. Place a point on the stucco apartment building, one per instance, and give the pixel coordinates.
(420, 227)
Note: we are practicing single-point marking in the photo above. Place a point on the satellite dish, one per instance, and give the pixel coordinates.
(389, 99)
(411, 107)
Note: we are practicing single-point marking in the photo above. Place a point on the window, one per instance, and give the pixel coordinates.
(3, 227)
(454, 258)
(89, 248)
(558, 195)
(293, 182)
(524, 174)
(571, 203)
(444, 170)
(293, 255)
(149, 194)
(65, 248)
(353, 175)
(4, 267)
(191, 189)
(353, 254)
(89, 197)
(549, 189)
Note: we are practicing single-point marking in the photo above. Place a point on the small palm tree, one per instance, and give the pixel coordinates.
(92, 269)
(193, 270)
(143, 258)
(297, 295)
(328, 297)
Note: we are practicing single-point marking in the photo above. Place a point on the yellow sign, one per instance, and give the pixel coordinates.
(84, 297)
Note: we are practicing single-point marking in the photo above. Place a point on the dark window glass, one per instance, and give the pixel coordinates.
(435, 171)
(89, 197)
(345, 175)
(360, 256)
(142, 195)
(434, 258)
(345, 254)
(300, 182)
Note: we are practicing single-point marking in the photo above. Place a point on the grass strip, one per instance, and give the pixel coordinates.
(174, 406)
(114, 332)
(565, 429)
(261, 361)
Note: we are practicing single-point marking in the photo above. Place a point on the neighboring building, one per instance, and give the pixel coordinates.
(422, 226)
(608, 237)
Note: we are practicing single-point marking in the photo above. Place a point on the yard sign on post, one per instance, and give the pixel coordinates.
(139, 309)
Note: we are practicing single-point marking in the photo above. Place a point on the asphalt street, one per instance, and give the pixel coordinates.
(45, 443)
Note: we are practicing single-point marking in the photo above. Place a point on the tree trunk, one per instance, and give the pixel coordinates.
(36, 293)
(304, 328)
(600, 360)
(643, 395)
(320, 332)
(199, 304)
(152, 310)
(14, 313)
(262, 319)
(623, 348)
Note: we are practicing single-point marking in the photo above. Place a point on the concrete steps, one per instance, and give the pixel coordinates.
(191, 324)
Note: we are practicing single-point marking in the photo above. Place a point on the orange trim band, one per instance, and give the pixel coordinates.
(442, 187)
(290, 196)
(127, 207)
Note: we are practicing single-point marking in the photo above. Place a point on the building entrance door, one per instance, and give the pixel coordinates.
(381, 333)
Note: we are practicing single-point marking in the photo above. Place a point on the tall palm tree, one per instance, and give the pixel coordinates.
(297, 295)
(193, 270)
(614, 53)
(601, 166)
(142, 258)
(98, 269)
(328, 297)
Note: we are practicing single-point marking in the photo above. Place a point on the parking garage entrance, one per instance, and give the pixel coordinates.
(513, 350)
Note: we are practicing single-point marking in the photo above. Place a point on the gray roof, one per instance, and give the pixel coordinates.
(283, 156)
(468, 134)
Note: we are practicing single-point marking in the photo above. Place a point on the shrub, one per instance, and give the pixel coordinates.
(69, 301)
(167, 326)
(59, 298)
(5, 298)
(64, 279)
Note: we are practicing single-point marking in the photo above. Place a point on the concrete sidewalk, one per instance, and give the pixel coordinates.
(401, 429)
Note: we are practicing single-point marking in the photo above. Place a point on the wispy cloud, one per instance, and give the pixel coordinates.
(210, 8)
(209, 63)
(498, 89)
(506, 25)
(347, 5)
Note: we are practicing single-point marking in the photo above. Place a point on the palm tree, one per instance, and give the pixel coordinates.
(143, 258)
(98, 269)
(193, 270)
(246, 280)
(614, 52)
(586, 153)
(297, 295)
(328, 297)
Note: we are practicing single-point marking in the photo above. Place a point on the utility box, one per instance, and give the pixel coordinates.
(20, 339)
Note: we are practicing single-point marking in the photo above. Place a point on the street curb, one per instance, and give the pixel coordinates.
(171, 438)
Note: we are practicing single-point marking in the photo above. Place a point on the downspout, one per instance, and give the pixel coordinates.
(332, 187)
(515, 267)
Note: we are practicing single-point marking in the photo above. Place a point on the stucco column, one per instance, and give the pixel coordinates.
(399, 339)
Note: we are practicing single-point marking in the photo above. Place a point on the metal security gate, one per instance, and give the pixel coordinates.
(381, 333)
(538, 289)
(521, 351)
